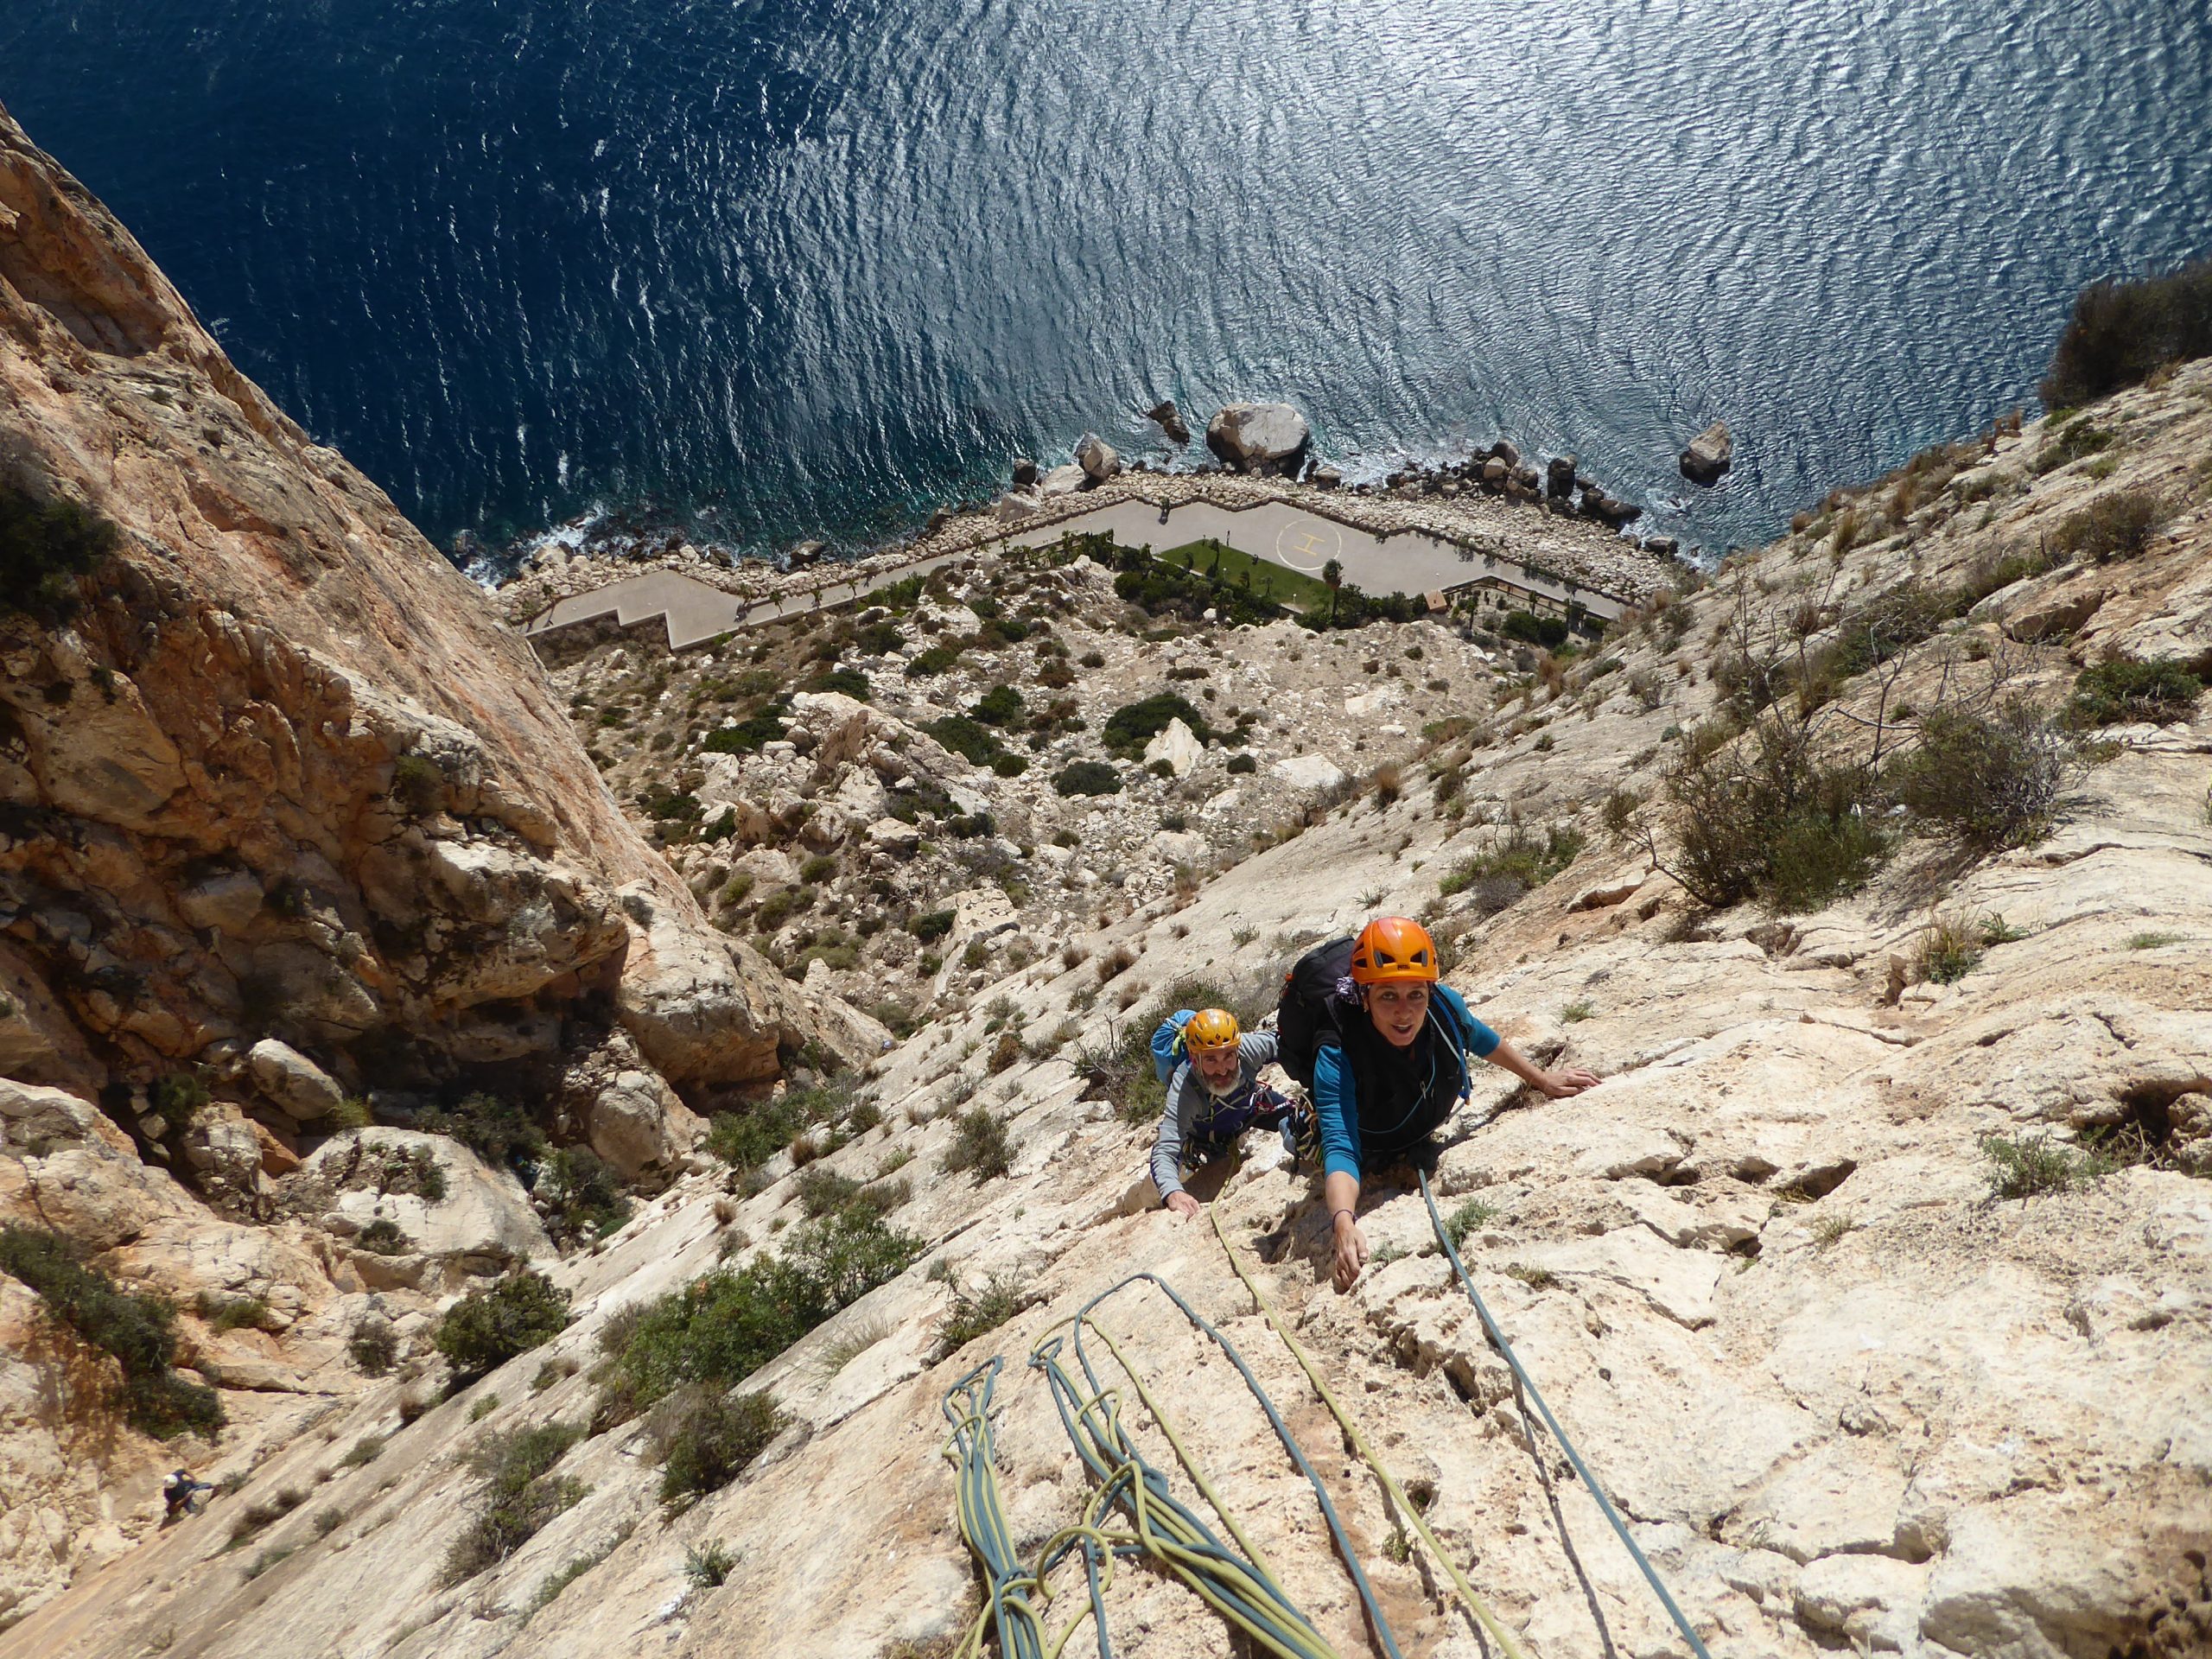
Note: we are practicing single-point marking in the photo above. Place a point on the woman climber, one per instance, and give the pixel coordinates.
(1382, 1046)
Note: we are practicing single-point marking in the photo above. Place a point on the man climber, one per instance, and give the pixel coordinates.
(1366, 1025)
(1213, 1096)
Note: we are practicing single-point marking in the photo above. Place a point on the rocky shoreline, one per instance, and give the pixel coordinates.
(1491, 502)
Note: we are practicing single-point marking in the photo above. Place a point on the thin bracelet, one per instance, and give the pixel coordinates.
(1333, 1214)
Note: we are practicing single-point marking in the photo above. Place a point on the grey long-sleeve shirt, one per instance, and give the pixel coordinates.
(1190, 1103)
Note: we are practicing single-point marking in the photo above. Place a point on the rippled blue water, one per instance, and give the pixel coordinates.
(806, 267)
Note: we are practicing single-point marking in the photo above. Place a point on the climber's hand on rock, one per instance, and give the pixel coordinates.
(1567, 1080)
(1183, 1205)
(1352, 1251)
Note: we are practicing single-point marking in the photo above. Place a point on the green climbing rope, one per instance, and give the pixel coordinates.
(1589, 1477)
(1085, 1320)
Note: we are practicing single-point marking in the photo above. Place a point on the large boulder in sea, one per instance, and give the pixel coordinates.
(1098, 458)
(1170, 420)
(1711, 453)
(1262, 438)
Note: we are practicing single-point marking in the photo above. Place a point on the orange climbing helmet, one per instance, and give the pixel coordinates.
(1393, 948)
(1210, 1031)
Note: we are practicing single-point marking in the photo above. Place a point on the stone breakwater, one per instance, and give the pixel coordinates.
(1555, 543)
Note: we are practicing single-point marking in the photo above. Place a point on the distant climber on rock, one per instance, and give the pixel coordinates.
(177, 1493)
(1214, 1096)
(1365, 1024)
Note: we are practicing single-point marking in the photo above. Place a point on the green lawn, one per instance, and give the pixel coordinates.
(1269, 580)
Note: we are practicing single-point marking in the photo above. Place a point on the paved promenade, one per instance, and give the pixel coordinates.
(1404, 562)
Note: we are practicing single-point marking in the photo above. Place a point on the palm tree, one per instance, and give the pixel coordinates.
(1332, 573)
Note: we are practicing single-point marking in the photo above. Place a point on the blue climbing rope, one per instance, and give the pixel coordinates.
(1589, 1477)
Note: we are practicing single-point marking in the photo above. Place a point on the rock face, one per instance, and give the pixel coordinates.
(291, 817)
(479, 1223)
(1260, 438)
(1710, 454)
(294, 782)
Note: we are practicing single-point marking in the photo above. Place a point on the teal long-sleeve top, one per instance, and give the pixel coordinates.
(1350, 1126)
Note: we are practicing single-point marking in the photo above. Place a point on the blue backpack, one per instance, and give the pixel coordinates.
(1167, 1050)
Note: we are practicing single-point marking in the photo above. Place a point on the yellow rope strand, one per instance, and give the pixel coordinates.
(1476, 1606)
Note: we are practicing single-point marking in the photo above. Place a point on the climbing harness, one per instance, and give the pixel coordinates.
(1521, 1376)
(1479, 1610)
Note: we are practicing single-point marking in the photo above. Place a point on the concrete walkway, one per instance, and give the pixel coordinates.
(1406, 561)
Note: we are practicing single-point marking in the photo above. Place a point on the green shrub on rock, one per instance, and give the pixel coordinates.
(704, 1439)
(981, 1147)
(1992, 778)
(2125, 690)
(2120, 334)
(1768, 821)
(488, 1327)
(138, 1328)
(2119, 525)
(520, 1495)
(721, 1328)
(1087, 778)
(1132, 725)
(44, 547)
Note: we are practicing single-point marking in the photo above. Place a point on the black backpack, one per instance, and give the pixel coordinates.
(1308, 1013)
(1313, 1004)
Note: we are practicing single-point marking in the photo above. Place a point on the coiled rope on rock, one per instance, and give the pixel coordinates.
(1521, 1376)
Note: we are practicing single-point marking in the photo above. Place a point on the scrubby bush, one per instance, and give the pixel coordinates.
(137, 1328)
(374, 1349)
(1948, 949)
(229, 1312)
(1991, 776)
(179, 1097)
(519, 1496)
(850, 681)
(2121, 525)
(495, 1130)
(2031, 1164)
(1769, 820)
(978, 1311)
(44, 547)
(1132, 725)
(382, 1237)
(1087, 778)
(1244, 761)
(721, 1328)
(980, 1145)
(824, 1192)
(931, 925)
(973, 743)
(2123, 690)
(705, 1438)
(999, 706)
(748, 734)
(582, 1193)
(2073, 442)
(488, 1327)
(1521, 862)
(2120, 334)
(746, 1140)
(418, 784)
